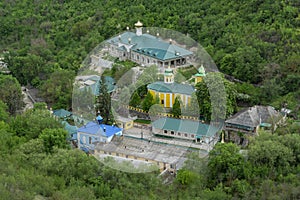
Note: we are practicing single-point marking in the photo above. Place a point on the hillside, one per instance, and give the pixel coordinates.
(254, 41)
(44, 43)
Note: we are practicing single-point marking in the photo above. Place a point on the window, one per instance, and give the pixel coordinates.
(162, 102)
(165, 131)
(192, 136)
(185, 135)
(90, 140)
(172, 132)
(83, 140)
(179, 134)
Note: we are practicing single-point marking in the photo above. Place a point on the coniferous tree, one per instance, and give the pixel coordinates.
(103, 103)
(176, 110)
(135, 100)
(148, 102)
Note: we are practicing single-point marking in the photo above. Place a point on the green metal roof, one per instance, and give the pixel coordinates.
(201, 71)
(160, 86)
(109, 82)
(150, 45)
(62, 113)
(268, 125)
(71, 129)
(199, 74)
(185, 126)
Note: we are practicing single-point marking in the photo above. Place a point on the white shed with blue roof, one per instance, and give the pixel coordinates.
(93, 132)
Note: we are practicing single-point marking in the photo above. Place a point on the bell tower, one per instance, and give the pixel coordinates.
(139, 28)
(169, 75)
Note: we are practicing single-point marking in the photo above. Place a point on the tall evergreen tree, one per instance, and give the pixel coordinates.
(135, 100)
(176, 110)
(148, 102)
(103, 103)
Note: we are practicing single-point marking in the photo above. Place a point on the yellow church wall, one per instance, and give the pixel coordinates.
(167, 100)
(152, 92)
(173, 98)
(161, 97)
(167, 96)
(198, 79)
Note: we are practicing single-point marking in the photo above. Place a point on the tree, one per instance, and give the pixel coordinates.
(270, 158)
(103, 103)
(11, 93)
(54, 138)
(225, 164)
(3, 111)
(135, 100)
(216, 96)
(31, 123)
(193, 108)
(176, 109)
(71, 164)
(147, 102)
(57, 90)
(40, 106)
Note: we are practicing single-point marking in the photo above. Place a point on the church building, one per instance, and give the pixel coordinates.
(168, 90)
(146, 49)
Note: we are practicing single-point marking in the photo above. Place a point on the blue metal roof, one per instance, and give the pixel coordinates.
(95, 129)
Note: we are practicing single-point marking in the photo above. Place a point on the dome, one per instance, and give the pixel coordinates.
(138, 24)
(168, 71)
(201, 70)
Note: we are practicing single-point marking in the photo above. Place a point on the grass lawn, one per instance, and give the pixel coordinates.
(143, 121)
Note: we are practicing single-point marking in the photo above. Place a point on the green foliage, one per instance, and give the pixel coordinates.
(193, 108)
(248, 93)
(216, 96)
(185, 73)
(11, 94)
(57, 89)
(3, 111)
(225, 164)
(40, 106)
(103, 104)
(135, 100)
(176, 109)
(254, 41)
(31, 123)
(8, 140)
(54, 138)
(186, 177)
(147, 102)
(274, 155)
